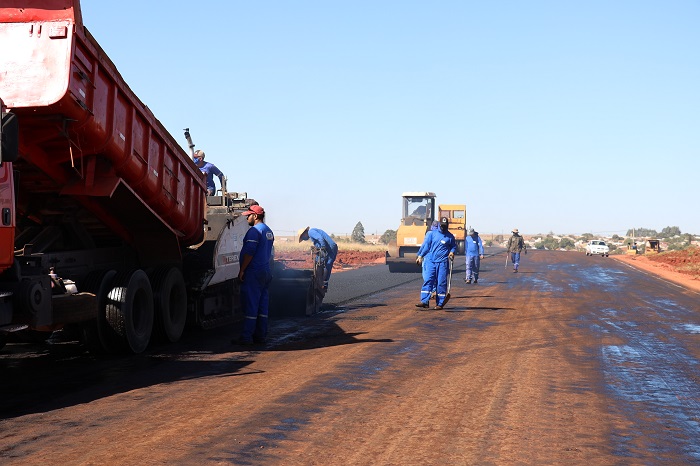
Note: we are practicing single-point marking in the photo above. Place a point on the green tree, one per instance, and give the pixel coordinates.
(550, 243)
(567, 243)
(388, 237)
(670, 232)
(642, 232)
(358, 233)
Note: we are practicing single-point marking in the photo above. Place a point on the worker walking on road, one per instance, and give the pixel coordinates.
(516, 244)
(209, 170)
(474, 249)
(441, 246)
(427, 260)
(321, 240)
(255, 277)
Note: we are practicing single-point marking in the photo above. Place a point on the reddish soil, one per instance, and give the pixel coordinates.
(682, 267)
(346, 260)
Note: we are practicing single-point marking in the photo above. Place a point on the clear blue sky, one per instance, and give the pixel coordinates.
(559, 116)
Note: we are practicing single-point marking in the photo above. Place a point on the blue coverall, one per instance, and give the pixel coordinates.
(439, 245)
(257, 242)
(209, 170)
(474, 249)
(321, 240)
(426, 258)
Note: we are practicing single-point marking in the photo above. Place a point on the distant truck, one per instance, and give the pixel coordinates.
(651, 246)
(418, 214)
(105, 222)
(456, 214)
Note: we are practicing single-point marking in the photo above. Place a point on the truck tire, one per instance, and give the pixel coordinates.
(170, 303)
(97, 335)
(129, 309)
(3, 340)
(461, 245)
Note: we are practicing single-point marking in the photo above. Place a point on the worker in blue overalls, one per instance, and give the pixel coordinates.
(427, 259)
(255, 277)
(441, 245)
(474, 250)
(321, 240)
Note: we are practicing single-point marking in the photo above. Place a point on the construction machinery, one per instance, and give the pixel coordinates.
(418, 214)
(106, 226)
(652, 246)
(456, 215)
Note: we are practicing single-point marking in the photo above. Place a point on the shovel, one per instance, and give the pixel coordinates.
(449, 283)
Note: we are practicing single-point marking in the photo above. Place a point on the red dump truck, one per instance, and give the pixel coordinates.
(106, 226)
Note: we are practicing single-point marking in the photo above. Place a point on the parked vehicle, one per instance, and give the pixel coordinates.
(105, 225)
(597, 247)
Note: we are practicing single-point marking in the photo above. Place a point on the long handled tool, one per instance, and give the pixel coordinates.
(449, 285)
(506, 266)
(190, 144)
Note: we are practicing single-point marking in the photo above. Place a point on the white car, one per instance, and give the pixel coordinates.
(597, 247)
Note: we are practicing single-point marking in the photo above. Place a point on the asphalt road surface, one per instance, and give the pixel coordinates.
(572, 360)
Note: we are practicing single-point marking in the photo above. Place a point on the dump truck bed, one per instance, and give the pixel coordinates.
(85, 135)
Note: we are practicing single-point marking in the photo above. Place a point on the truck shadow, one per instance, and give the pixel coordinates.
(42, 378)
(38, 378)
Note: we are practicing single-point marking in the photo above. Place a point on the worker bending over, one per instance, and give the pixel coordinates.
(321, 240)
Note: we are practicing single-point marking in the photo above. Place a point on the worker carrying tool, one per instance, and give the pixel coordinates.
(474, 252)
(515, 246)
(441, 245)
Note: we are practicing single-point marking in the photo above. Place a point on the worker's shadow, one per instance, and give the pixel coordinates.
(322, 330)
(457, 298)
(351, 307)
(478, 308)
(472, 308)
(327, 340)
